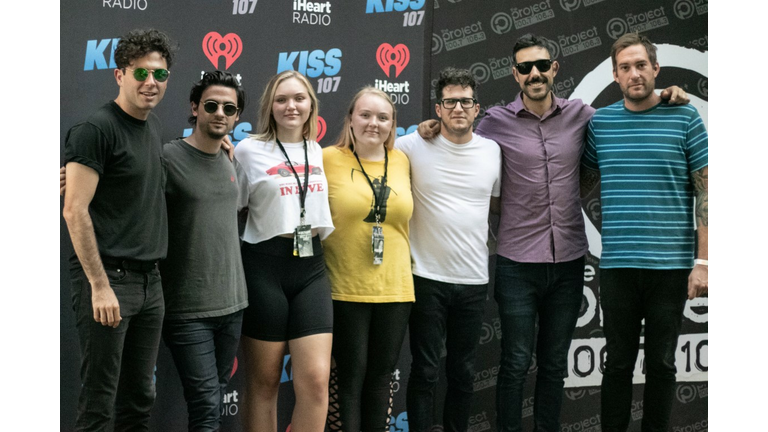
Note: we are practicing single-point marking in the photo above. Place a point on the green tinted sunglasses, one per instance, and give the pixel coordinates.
(142, 74)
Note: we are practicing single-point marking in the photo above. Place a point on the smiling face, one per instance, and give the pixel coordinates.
(456, 122)
(536, 85)
(138, 98)
(291, 107)
(371, 121)
(217, 124)
(636, 76)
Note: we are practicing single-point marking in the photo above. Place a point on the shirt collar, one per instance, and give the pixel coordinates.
(517, 105)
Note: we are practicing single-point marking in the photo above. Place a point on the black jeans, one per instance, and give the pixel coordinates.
(367, 338)
(627, 296)
(117, 364)
(551, 292)
(203, 350)
(454, 313)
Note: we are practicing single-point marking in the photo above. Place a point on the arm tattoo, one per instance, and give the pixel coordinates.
(700, 181)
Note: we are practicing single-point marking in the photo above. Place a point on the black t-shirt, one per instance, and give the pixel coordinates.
(128, 208)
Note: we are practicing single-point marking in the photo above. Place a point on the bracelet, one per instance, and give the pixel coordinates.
(701, 262)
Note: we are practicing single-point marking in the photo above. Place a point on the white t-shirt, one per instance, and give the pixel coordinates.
(269, 188)
(452, 186)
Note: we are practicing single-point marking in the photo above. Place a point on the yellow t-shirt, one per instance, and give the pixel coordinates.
(348, 255)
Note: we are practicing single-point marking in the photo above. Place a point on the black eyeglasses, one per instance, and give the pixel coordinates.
(142, 74)
(526, 67)
(451, 103)
(212, 106)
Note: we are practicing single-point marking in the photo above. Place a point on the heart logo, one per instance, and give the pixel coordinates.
(397, 56)
(321, 127)
(216, 45)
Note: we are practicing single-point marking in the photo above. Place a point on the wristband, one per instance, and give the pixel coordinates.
(701, 261)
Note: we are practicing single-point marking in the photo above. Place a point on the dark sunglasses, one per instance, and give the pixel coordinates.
(526, 67)
(141, 74)
(212, 106)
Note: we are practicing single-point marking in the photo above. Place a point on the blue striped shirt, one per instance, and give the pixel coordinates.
(645, 160)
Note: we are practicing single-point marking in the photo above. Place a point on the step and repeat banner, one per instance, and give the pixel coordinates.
(398, 46)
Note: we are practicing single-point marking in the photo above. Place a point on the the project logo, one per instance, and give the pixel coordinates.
(591, 424)
(313, 13)
(215, 45)
(481, 72)
(491, 331)
(397, 56)
(521, 17)
(685, 9)
(572, 5)
(379, 6)
(486, 378)
(321, 128)
(579, 41)
(95, 54)
(312, 64)
(479, 422)
(450, 39)
(125, 4)
(637, 23)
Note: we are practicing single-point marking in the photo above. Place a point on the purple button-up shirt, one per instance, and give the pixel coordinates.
(541, 220)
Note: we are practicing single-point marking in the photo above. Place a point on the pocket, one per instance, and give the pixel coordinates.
(115, 275)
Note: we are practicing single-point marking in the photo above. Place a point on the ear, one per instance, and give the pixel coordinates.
(516, 74)
(615, 76)
(438, 110)
(194, 107)
(555, 68)
(656, 70)
(119, 77)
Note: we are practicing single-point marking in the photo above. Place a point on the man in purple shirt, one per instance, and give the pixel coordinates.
(541, 241)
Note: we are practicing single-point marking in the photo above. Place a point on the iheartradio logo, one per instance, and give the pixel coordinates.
(321, 128)
(397, 56)
(216, 45)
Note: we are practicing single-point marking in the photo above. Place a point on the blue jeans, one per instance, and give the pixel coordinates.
(553, 292)
(452, 313)
(627, 296)
(117, 364)
(203, 351)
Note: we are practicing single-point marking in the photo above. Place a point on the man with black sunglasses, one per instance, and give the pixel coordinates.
(116, 216)
(203, 279)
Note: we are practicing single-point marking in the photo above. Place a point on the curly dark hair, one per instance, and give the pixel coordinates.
(138, 43)
(453, 76)
(218, 77)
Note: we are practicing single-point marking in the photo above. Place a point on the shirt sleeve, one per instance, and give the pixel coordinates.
(697, 143)
(86, 144)
(589, 158)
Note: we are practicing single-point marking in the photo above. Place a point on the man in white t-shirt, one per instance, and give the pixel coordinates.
(455, 179)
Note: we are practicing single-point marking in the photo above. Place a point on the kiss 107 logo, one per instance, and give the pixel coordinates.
(411, 18)
(314, 64)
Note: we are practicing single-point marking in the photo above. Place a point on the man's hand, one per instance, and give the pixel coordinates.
(228, 147)
(428, 129)
(698, 282)
(62, 180)
(106, 309)
(675, 95)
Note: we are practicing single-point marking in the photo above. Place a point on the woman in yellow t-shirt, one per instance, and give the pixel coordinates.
(368, 258)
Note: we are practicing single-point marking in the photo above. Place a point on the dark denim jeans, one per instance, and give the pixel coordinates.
(452, 313)
(627, 296)
(553, 292)
(203, 351)
(117, 364)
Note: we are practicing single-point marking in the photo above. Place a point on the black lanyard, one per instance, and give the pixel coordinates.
(378, 200)
(302, 190)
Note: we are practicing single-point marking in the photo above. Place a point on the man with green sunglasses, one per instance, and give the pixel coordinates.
(116, 215)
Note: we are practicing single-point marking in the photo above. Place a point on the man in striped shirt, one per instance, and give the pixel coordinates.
(652, 160)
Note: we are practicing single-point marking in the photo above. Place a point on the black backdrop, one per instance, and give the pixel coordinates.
(401, 44)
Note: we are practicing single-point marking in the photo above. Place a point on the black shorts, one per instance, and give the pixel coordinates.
(288, 297)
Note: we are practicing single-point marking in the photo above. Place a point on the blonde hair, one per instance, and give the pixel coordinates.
(266, 128)
(347, 137)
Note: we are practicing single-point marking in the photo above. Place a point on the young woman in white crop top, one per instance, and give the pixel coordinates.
(283, 185)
